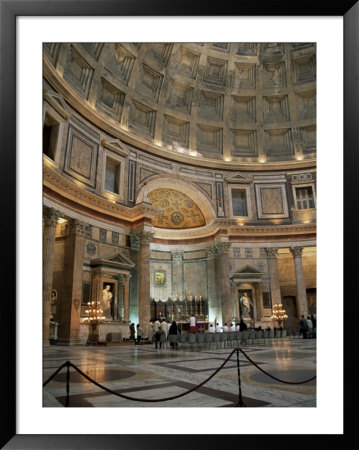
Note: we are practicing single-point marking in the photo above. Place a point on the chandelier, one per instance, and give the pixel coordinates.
(279, 314)
(94, 318)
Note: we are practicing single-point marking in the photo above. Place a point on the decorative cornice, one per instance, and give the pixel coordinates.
(70, 190)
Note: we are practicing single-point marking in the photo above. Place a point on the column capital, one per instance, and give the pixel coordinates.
(50, 216)
(296, 251)
(177, 256)
(146, 237)
(223, 247)
(272, 252)
(75, 226)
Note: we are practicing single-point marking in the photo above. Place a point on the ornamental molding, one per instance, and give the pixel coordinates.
(71, 191)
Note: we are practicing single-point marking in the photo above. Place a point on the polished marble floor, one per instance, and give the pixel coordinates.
(143, 372)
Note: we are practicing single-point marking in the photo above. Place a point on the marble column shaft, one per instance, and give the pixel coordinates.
(50, 218)
(302, 301)
(213, 287)
(226, 301)
(69, 328)
(259, 295)
(272, 253)
(144, 281)
(126, 298)
(177, 271)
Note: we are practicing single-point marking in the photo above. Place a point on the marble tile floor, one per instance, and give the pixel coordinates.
(144, 372)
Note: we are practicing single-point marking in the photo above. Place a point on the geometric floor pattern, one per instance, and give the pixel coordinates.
(143, 372)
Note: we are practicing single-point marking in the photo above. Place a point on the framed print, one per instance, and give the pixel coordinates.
(250, 111)
(160, 278)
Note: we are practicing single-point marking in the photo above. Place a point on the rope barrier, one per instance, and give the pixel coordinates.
(126, 397)
(272, 376)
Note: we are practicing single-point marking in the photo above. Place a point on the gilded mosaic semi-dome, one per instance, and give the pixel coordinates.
(214, 103)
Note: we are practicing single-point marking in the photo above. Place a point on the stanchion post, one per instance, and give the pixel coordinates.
(67, 384)
(240, 400)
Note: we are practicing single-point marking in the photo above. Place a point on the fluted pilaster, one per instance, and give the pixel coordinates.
(302, 302)
(272, 254)
(144, 281)
(50, 218)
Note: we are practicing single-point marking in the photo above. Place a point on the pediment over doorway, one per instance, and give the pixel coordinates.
(248, 269)
(117, 261)
(247, 273)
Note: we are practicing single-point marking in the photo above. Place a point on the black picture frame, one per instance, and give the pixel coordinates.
(9, 11)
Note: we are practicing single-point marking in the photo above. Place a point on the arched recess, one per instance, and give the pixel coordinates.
(186, 187)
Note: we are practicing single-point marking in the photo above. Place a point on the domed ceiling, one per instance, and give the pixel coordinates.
(240, 102)
(179, 211)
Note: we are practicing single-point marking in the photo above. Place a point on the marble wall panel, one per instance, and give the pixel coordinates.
(195, 277)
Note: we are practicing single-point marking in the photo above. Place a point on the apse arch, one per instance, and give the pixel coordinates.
(185, 187)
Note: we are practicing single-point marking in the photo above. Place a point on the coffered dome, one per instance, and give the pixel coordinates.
(238, 102)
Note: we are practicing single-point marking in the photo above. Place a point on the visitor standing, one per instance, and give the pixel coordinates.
(139, 334)
(173, 330)
(192, 324)
(132, 331)
(303, 326)
(242, 325)
(164, 326)
(151, 331)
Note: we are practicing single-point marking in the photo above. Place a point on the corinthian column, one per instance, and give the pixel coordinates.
(272, 254)
(69, 328)
(126, 298)
(50, 218)
(223, 272)
(302, 302)
(144, 280)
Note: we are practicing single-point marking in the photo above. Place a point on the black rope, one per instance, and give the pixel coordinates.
(272, 376)
(240, 399)
(68, 383)
(158, 399)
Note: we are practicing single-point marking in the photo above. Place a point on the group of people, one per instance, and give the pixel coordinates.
(241, 326)
(307, 325)
(139, 333)
(160, 328)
